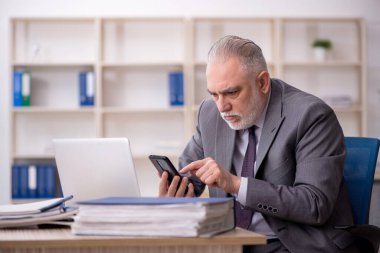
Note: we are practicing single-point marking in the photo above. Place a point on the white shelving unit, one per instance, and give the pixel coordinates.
(131, 59)
(342, 74)
(40, 47)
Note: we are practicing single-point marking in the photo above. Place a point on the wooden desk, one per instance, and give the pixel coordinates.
(61, 240)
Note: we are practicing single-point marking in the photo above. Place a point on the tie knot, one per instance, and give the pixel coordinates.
(251, 130)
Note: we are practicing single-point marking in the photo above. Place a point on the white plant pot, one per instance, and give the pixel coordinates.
(320, 54)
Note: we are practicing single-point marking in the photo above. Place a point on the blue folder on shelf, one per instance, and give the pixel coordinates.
(34, 181)
(86, 88)
(17, 88)
(15, 182)
(176, 88)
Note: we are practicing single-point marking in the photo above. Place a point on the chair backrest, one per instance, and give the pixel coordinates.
(359, 169)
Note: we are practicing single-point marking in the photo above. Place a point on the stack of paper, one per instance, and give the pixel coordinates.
(180, 217)
(50, 211)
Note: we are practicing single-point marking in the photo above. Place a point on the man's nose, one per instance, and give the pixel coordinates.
(223, 105)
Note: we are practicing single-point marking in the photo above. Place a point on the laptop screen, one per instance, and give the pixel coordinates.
(96, 167)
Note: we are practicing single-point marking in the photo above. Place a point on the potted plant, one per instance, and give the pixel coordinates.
(321, 47)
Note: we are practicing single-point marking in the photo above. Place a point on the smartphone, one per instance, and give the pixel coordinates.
(163, 163)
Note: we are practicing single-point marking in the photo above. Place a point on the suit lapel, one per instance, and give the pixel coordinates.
(272, 123)
(224, 143)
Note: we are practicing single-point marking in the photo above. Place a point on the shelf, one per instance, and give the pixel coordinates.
(308, 64)
(53, 64)
(204, 64)
(40, 109)
(115, 110)
(142, 64)
(33, 156)
(53, 19)
(322, 20)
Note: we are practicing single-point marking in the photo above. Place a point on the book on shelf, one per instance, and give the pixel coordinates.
(132, 216)
(86, 88)
(51, 211)
(25, 91)
(33, 181)
(176, 88)
(17, 88)
(21, 88)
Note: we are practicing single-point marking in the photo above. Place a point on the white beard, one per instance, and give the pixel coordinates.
(256, 106)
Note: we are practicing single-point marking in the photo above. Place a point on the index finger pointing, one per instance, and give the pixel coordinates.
(191, 167)
(187, 168)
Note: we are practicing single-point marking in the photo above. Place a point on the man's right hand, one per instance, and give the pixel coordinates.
(166, 190)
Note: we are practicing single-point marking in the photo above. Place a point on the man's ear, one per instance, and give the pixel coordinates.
(263, 81)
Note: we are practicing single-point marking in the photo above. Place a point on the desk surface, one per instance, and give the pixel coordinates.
(29, 238)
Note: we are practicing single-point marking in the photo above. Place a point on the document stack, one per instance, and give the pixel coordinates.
(178, 217)
(51, 211)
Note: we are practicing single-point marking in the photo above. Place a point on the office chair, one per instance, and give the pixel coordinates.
(359, 170)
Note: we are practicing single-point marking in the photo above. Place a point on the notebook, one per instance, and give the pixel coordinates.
(95, 168)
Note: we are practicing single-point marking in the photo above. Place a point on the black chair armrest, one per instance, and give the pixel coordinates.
(368, 236)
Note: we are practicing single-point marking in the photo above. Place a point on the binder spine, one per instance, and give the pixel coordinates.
(25, 89)
(17, 88)
(82, 89)
(50, 180)
(86, 88)
(176, 89)
(32, 181)
(41, 181)
(24, 193)
(16, 182)
(90, 88)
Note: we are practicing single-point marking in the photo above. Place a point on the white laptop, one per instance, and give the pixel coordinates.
(95, 168)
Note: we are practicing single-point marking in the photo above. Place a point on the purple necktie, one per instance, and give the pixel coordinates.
(244, 216)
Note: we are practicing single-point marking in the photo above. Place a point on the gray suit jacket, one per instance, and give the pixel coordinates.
(298, 186)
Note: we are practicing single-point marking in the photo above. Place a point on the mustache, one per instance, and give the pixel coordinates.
(225, 114)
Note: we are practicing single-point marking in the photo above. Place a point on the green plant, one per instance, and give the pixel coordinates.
(324, 43)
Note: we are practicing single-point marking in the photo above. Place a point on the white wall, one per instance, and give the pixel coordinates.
(367, 9)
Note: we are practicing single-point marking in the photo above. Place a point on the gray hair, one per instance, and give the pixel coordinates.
(248, 53)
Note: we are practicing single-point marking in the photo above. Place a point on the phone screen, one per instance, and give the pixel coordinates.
(163, 163)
